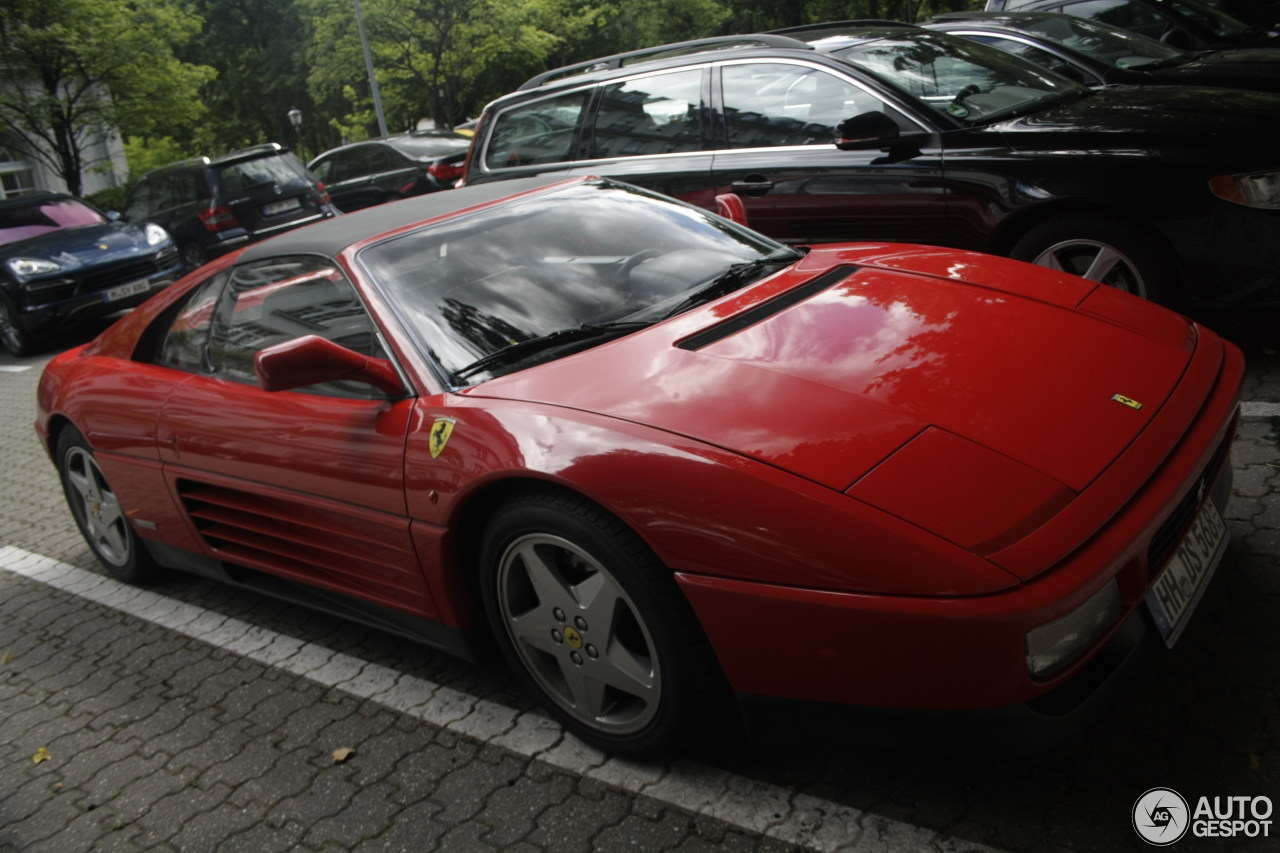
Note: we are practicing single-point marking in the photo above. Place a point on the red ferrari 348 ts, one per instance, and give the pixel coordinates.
(664, 460)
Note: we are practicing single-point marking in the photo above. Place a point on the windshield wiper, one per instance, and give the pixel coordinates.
(731, 279)
(522, 349)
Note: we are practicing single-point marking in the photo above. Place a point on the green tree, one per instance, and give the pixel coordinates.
(74, 71)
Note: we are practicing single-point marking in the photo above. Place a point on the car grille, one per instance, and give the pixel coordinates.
(302, 542)
(122, 274)
(1170, 533)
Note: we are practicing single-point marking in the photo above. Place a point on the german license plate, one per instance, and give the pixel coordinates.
(280, 206)
(1177, 591)
(126, 290)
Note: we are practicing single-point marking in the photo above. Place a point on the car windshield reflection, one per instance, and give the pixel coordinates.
(591, 254)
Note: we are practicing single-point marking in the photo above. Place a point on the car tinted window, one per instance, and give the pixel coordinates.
(777, 104)
(652, 115)
(1111, 45)
(382, 159)
(138, 207)
(1031, 53)
(323, 166)
(541, 132)
(35, 217)
(1124, 14)
(259, 172)
(185, 345)
(279, 299)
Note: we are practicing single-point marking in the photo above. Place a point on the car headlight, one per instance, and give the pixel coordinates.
(155, 234)
(1051, 647)
(1255, 189)
(32, 266)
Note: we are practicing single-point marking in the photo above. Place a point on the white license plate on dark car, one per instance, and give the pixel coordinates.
(1177, 591)
(280, 206)
(124, 291)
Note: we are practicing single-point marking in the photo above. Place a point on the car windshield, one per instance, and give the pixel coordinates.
(259, 172)
(965, 80)
(1111, 45)
(1206, 16)
(593, 253)
(22, 221)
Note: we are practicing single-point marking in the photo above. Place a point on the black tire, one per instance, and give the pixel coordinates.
(98, 513)
(609, 643)
(193, 257)
(13, 337)
(1072, 242)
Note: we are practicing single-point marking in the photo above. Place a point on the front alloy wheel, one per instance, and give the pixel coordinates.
(578, 634)
(1095, 261)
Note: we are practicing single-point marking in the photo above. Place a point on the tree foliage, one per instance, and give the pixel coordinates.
(74, 71)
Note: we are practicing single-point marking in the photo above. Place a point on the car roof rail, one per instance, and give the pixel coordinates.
(858, 22)
(694, 46)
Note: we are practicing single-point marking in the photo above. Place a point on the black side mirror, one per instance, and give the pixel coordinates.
(867, 130)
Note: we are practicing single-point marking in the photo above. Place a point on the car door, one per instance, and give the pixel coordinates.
(389, 173)
(651, 131)
(305, 484)
(350, 188)
(777, 123)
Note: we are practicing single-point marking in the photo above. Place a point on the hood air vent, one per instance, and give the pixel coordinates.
(778, 304)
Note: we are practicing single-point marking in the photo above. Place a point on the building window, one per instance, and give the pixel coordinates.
(15, 175)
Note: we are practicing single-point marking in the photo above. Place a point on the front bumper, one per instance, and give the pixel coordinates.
(969, 654)
(42, 318)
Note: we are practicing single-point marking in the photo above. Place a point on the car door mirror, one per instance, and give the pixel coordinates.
(312, 360)
(866, 130)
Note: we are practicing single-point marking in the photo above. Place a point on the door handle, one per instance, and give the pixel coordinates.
(752, 185)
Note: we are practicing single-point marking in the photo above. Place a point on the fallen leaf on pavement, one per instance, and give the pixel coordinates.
(1255, 763)
(42, 754)
(8, 656)
(341, 755)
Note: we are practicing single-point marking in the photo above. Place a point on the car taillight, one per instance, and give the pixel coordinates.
(218, 218)
(446, 172)
(324, 192)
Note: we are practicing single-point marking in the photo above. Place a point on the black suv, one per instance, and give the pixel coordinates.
(876, 131)
(1187, 24)
(213, 206)
(367, 173)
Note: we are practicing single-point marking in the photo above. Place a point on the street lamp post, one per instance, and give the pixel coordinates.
(295, 119)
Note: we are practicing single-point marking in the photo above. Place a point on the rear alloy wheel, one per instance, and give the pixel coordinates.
(193, 257)
(596, 625)
(13, 337)
(1102, 248)
(98, 513)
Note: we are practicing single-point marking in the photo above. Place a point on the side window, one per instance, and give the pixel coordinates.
(652, 115)
(164, 193)
(1124, 14)
(382, 160)
(541, 132)
(775, 104)
(321, 169)
(185, 344)
(276, 300)
(138, 208)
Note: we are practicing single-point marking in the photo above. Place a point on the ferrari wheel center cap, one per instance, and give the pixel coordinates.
(573, 638)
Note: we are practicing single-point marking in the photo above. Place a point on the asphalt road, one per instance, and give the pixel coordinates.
(194, 717)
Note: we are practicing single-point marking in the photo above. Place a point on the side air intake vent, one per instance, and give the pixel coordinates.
(309, 544)
(707, 337)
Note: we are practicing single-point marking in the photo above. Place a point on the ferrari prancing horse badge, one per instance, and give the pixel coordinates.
(440, 432)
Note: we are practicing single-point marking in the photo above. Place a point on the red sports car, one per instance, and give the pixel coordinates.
(664, 460)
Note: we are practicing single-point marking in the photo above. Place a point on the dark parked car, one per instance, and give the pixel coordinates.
(63, 261)
(881, 132)
(1188, 24)
(1101, 55)
(369, 173)
(211, 206)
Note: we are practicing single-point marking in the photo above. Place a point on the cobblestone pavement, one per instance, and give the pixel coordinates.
(164, 737)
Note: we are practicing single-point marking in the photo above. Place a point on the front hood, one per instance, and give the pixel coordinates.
(83, 246)
(1244, 69)
(1167, 120)
(986, 349)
